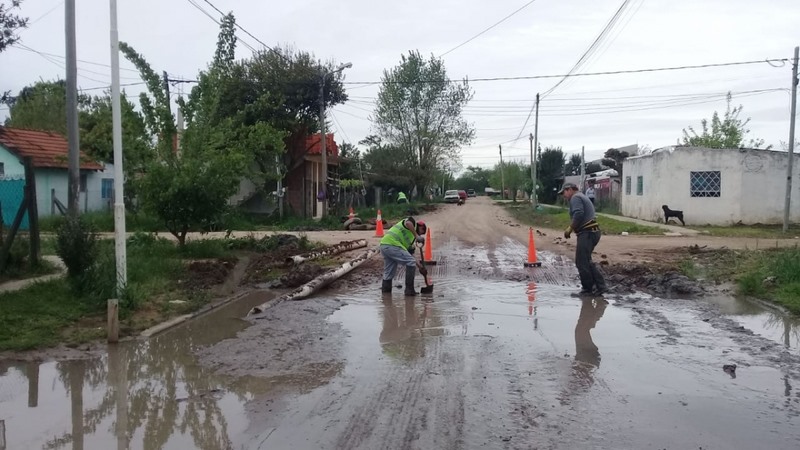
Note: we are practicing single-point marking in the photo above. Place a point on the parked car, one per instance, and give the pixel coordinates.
(462, 195)
(451, 196)
(471, 193)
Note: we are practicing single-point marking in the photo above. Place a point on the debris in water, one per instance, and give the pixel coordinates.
(730, 369)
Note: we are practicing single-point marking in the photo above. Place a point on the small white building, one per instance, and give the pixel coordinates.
(710, 186)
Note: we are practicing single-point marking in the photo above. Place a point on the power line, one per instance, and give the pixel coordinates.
(53, 55)
(585, 74)
(207, 14)
(487, 29)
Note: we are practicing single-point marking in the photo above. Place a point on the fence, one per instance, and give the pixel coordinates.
(88, 201)
(26, 206)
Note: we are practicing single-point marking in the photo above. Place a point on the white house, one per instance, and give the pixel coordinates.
(710, 186)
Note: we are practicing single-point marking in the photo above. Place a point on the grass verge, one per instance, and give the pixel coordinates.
(751, 231)
(557, 218)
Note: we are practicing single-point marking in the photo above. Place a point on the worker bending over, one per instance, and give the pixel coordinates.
(397, 247)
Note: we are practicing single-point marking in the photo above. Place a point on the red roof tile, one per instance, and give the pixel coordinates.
(46, 149)
(314, 145)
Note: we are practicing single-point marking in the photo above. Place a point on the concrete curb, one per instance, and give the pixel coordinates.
(176, 321)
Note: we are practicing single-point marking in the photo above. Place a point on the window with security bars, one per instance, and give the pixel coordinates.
(627, 185)
(639, 185)
(705, 184)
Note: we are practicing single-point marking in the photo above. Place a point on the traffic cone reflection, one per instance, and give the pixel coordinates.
(532, 259)
(379, 225)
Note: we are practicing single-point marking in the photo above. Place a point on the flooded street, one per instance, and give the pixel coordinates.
(498, 357)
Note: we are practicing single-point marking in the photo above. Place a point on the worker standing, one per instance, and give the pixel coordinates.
(401, 198)
(584, 224)
(397, 247)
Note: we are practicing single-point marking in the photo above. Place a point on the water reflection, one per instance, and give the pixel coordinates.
(587, 354)
(401, 333)
(149, 395)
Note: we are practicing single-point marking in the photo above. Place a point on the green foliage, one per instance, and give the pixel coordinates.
(772, 274)
(515, 174)
(550, 167)
(728, 132)
(10, 24)
(422, 122)
(573, 166)
(474, 178)
(76, 245)
(615, 159)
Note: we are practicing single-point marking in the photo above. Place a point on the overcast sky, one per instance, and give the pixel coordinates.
(545, 38)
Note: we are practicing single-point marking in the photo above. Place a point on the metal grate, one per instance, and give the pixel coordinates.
(627, 185)
(705, 184)
(640, 185)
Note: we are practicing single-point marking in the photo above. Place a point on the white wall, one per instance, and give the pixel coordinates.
(753, 186)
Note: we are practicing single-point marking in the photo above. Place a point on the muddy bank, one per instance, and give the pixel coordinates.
(294, 339)
(659, 281)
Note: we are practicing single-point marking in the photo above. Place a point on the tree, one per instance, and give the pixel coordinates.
(190, 190)
(515, 174)
(551, 171)
(474, 178)
(419, 112)
(729, 132)
(614, 159)
(387, 166)
(573, 166)
(10, 24)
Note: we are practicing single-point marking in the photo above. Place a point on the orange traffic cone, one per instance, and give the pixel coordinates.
(379, 225)
(532, 261)
(428, 249)
(352, 213)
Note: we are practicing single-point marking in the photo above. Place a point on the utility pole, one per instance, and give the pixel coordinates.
(534, 149)
(502, 175)
(323, 149)
(280, 185)
(788, 206)
(533, 174)
(583, 167)
(73, 133)
(120, 239)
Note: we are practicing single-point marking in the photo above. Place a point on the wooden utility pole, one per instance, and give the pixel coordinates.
(73, 134)
(788, 205)
(534, 149)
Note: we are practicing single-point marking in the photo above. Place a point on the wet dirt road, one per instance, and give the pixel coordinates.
(498, 357)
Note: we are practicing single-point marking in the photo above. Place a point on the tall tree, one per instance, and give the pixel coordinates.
(573, 166)
(515, 174)
(387, 166)
(474, 177)
(727, 132)
(190, 190)
(419, 111)
(10, 23)
(614, 159)
(551, 171)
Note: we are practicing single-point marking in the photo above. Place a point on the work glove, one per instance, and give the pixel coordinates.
(420, 239)
(568, 232)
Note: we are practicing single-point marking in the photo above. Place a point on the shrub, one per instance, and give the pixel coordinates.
(76, 245)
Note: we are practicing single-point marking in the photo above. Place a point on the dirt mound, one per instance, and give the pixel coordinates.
(630, 277)
(299, 276)
(204, 274)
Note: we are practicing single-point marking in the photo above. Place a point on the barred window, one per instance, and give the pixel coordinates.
(705, 184)
(627, 185)
(640, 185)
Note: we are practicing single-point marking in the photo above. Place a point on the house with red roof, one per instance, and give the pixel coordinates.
(48, 152)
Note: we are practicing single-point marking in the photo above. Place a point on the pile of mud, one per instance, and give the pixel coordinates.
(207, 273)
(630, 277)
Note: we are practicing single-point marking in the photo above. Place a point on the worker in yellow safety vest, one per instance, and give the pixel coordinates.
(397, 247)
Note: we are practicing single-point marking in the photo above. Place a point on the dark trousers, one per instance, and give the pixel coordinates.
(590, 275)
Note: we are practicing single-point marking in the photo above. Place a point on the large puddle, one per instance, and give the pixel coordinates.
(491, 360)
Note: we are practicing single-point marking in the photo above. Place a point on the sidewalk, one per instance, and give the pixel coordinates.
(17, 285)
(670, 229)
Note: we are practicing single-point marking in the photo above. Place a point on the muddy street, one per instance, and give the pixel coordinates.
(499, 356)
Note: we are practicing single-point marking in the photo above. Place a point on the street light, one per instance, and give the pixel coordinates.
(324, 150)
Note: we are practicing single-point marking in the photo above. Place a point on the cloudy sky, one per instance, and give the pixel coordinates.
(546, 37)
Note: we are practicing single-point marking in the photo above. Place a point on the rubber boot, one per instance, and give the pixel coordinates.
(386, 287)
(410, 273)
